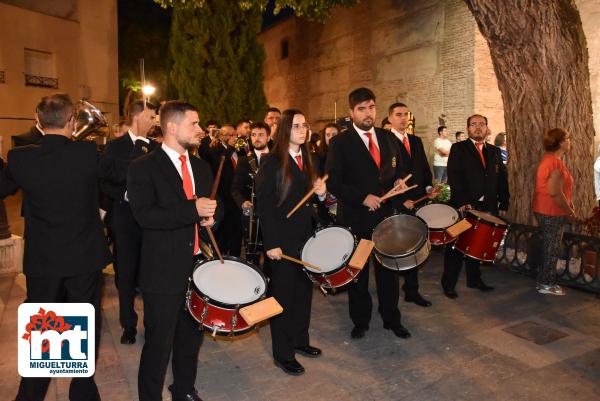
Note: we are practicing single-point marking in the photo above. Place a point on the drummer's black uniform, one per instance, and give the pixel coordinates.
(168, 220)
(353, 175)
(469, 182)
(416, 164)
(289, 284)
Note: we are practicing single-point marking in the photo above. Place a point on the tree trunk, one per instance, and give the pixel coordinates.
(540, 57)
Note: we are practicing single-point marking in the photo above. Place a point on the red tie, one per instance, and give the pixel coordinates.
(374, 150)
(233, 162)
(479, 146)
(406, 144)
(299, 160)
(188, 188)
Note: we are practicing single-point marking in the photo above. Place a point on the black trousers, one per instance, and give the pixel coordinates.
(127, 237)
(229, 234)
(168, 327)
(388, 293)
(453, 261)
(81, 288)
(292, 288)
(411, 282)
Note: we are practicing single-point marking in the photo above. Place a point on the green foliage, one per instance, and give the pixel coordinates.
(318, 10)
(218, 62)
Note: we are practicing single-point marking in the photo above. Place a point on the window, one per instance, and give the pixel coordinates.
(284, 49)
(40, 69)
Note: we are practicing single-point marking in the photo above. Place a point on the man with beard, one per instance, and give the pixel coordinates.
(479, 181)
(364, 163)
(272, 120)
(169, 193)
(243, 179)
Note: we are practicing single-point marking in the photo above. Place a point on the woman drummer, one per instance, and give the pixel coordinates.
(285, 176)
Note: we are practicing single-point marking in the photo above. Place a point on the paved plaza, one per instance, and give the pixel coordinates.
(511, 344)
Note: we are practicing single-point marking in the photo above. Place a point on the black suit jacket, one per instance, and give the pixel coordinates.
(353, 175)
(469, 181)
(168, 219)
(241, 188)
(416, 164)
(31, 137)
(62, 224)
(227, 173)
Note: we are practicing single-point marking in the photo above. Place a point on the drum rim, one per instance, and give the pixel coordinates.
(417, 248)
(344, 264)
(224, 305)
(442, 204)
(474, 216)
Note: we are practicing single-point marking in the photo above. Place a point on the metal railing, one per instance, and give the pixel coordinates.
(44, 82)
(577, 266)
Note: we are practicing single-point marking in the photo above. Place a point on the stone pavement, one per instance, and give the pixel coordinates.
(511, 344)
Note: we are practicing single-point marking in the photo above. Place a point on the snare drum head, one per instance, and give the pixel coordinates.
(438, 215)
(399, 235)
(329, 249)
(490, 218)
(230, 283)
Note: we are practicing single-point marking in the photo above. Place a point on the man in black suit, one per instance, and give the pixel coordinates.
(32, 137)
(364, 163)
(243, 179)
(415, 163)
(478, 181)
(168, 191)
(127, 235)
(65, 250)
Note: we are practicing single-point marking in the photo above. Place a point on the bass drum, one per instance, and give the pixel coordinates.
(401, 242)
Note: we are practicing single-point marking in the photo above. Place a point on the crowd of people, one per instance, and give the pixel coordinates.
(155, 183)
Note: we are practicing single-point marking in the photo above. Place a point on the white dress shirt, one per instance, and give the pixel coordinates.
(135, 138)
(174, 156)
(365, 139)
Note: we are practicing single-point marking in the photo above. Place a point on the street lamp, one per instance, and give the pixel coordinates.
(148, 90)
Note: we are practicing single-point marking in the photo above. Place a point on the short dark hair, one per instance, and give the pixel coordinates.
(274, 110)
(500, 139)
(553, 138)
(384, 122)
(227, 125)
(261, 125)
(394, 105)
(360, 95)
(137, 107)
(173, 111)
(441, 128)
(212, 122)
(241, 121)
(476, 115)
(458, 133)
(55, 111)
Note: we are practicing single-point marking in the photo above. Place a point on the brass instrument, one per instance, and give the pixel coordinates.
(241, 144)
(253, 241)
(88, 120)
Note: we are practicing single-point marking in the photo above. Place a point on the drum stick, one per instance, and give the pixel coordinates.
(421, 199)
(308, 195)
(213, 194)
(390, 195)
(391, 191)
(300, 262)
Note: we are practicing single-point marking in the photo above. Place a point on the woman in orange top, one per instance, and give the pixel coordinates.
(552, 204)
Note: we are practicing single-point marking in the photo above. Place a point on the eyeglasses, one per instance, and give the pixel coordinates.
(481, 124)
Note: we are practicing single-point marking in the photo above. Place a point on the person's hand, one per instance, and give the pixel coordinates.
(409, 204)
(463, 208)
(274, 254)
(206, 207)
(372, 202)
(320, 187)
(502, 213)
(246, 205)
(207, 222)
(400, 185)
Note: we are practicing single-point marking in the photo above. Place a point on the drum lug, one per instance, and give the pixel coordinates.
(234, 321)
(204, 312)
(323, 290)
(215, 328)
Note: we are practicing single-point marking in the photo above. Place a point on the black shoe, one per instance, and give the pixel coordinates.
(358, 331)
(309, 351)
(188, 397)
(418, 299)
(399, 331)
(128, 336)
(450, 293)
(292, 367)
(481, 286)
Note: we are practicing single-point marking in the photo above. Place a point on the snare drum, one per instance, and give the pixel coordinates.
(218, 291)
(401, 242)
(482, 240)
(330, 249)
(438, 218)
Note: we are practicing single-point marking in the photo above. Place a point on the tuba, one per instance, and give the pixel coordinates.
(88, 120)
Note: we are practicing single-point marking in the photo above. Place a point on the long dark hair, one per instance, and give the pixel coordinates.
(281, 151)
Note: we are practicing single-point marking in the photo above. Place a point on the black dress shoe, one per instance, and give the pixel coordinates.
(481, 286)
(399, 331)
(358, 332)
(128, 336)
(450, 293)
(292, 367)
(418, 299)
(188, 397)
(309, 350)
